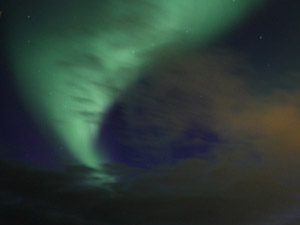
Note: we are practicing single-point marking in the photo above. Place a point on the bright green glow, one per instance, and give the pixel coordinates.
(81, 58)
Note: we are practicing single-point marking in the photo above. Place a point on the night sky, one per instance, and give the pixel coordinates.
(150, 112)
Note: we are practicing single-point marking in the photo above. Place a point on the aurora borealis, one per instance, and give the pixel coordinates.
(150, 112)
(73, 76)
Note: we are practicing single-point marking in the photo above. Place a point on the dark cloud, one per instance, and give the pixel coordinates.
(252, 179)
(254, 173)
(295, 221)
(191, 192)
(69, 197)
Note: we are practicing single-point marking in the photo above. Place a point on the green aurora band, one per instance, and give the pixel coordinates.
(75, 59)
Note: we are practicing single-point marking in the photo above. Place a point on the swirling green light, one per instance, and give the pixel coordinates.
(76, 58)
